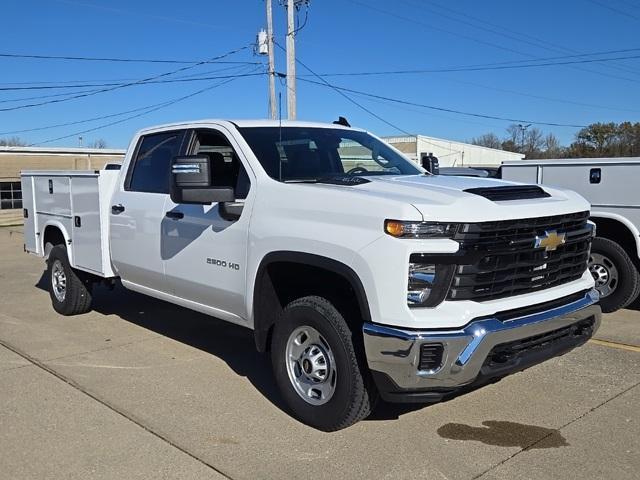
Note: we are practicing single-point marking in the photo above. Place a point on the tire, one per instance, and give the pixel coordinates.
(339, 390)
(70, 294)
(616, 276)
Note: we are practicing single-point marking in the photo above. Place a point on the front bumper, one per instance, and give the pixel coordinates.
(469, 354)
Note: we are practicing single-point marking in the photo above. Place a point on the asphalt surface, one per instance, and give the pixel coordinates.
(139, 388)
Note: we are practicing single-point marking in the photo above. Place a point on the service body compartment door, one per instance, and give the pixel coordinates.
(602, 184)
(30, 222)
(87, 249)
(524, 174)
(54, 195)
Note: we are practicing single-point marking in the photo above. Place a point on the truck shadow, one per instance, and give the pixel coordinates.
(231, 343)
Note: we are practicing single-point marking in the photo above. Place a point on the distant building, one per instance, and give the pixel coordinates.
(451, 153)
(14, 159)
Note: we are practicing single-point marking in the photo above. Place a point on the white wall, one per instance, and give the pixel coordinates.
(451, 153)
(458, 154)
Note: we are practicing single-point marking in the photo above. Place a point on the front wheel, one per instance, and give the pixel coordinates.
(316, 366)
(615, 275)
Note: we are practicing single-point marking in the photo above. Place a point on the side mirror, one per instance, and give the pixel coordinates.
(191, 182)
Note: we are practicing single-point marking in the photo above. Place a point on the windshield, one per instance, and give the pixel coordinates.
(308, 154)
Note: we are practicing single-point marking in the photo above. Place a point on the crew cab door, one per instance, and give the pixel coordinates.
(137, 211)
(204, 247)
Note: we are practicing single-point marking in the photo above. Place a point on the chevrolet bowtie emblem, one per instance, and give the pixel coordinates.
(550, 240)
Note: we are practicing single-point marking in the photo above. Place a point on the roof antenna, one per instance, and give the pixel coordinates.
(342, 121)
(280, 134)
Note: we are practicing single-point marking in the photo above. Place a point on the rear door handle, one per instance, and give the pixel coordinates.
(174, 215)
(116, 209)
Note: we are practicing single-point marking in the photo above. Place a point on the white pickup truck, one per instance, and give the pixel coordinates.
(362, 275)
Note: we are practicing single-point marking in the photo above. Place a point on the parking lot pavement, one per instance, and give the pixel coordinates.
(139, 388)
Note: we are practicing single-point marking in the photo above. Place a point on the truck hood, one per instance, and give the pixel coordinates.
(443, 198)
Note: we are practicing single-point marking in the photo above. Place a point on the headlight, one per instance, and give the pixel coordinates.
(428, 283)
(400, 229)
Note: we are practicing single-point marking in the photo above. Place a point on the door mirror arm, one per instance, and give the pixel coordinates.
(231, 211)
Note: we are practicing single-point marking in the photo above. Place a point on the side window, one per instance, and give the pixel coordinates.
(226, 168)
(153, 162)
(355, 155)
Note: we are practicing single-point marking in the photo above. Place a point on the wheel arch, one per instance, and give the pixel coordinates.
(268, 300)
(619, 229)
(54, 233)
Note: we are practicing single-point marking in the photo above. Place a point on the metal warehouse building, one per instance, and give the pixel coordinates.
(14, 159)
(451, 153)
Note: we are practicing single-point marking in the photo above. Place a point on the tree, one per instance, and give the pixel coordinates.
(490, 140)
(596, 139)
(99, 143)
(533, 142)
(13, 142)
(552, 147)
(514, 135)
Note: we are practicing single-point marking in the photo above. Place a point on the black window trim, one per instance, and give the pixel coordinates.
(189, 143)
(134, 158)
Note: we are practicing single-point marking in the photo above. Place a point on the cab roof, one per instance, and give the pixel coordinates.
(247, 123)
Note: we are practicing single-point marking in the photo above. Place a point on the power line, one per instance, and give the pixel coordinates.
(337, 90)
(94, 119)
(616, 10)
(74, 83)
(93, 92)
(479, 68)
(124, 85)
(542, 97)
(109, 59)
(146, 111)
(505, 32)
(37, 97)
(138, 82)
(114, 82)
(467, 37)
(442, 109)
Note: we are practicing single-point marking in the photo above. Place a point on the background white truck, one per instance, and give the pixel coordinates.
(362, 276)
(611, 185)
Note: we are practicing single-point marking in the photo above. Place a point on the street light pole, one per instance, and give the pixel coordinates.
(522, 128)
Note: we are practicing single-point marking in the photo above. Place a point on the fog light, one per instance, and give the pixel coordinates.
(428, 283)
(421, 280)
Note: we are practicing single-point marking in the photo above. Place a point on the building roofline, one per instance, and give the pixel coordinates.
(62, 150)
(413, 138)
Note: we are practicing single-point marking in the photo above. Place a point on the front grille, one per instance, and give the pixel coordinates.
(500, 258)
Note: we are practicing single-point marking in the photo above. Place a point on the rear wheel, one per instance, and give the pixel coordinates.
(615, 275)
(70, 294)
(316, 366)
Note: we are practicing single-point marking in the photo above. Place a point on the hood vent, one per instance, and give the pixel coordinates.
(502, 194)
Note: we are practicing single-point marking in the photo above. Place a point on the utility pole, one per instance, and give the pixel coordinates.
(272, 68)
(291, 60)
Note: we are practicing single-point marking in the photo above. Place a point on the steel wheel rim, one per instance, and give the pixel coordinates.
(58, 280)
(311, 365)
(604, 273)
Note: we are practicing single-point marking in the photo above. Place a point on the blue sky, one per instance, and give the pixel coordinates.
(339, 36)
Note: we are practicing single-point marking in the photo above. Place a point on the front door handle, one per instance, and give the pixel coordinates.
(174, 215)
(116, 209)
